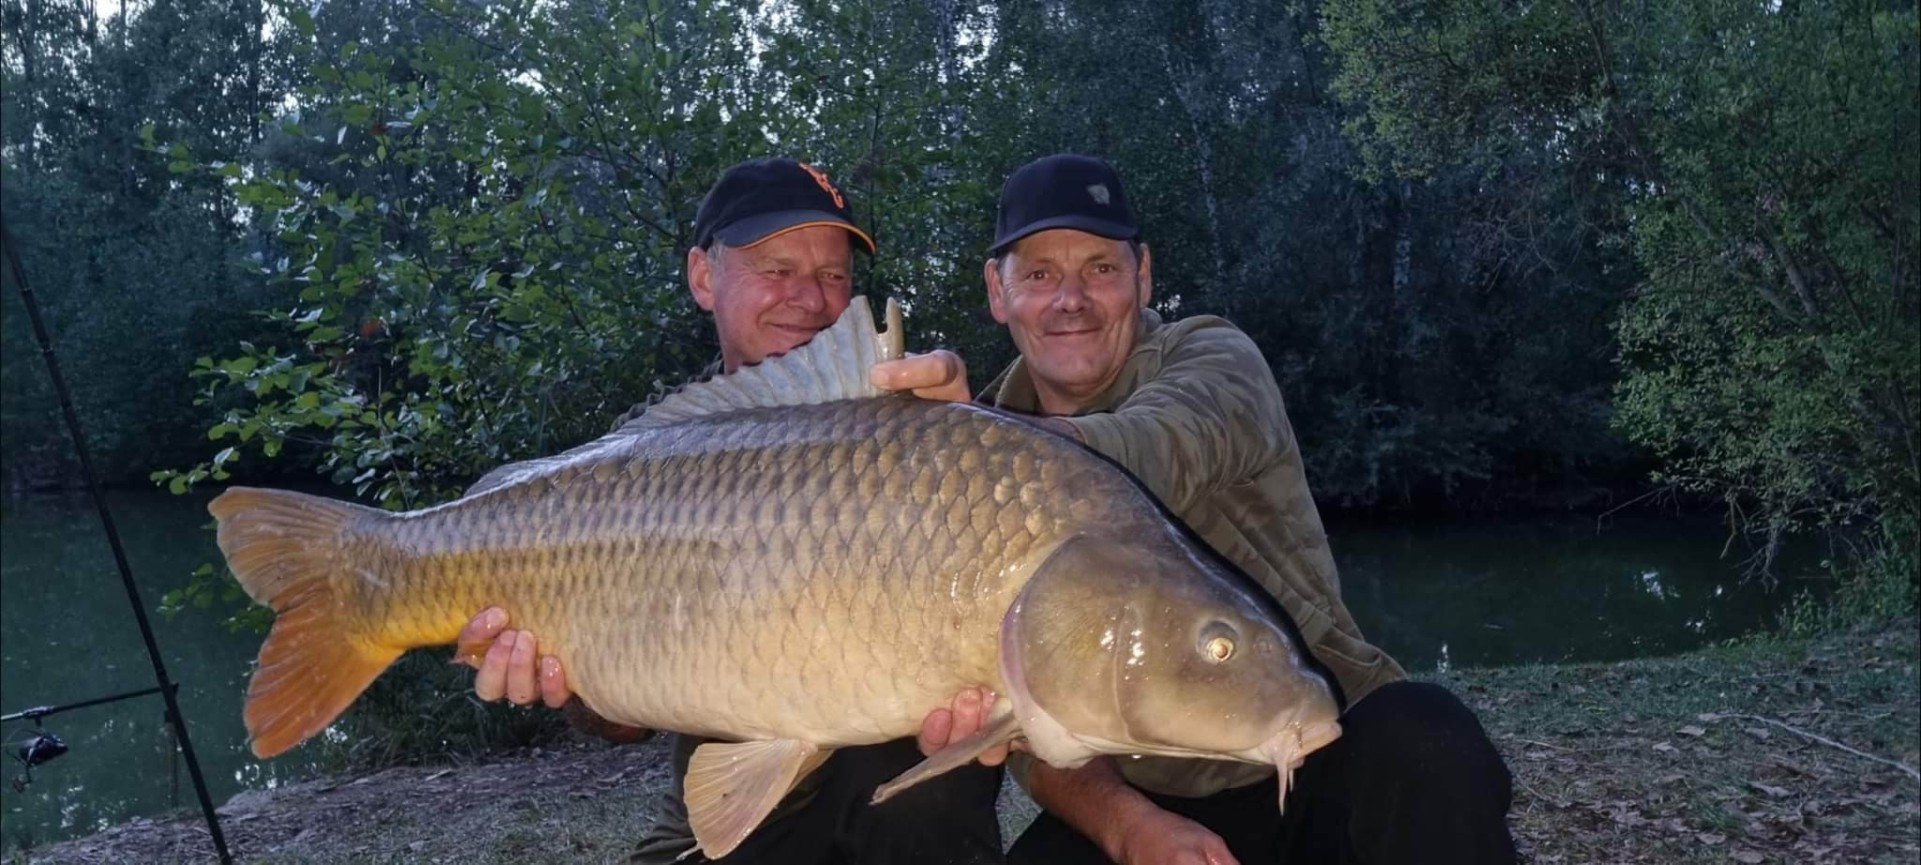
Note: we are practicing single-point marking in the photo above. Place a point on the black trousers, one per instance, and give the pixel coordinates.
(1413, 778)
(946, 820)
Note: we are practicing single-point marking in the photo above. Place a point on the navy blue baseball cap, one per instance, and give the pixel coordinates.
(761, 199)
(1063, 191)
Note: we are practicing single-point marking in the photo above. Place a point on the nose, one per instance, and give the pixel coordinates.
(806, 293)
(1072, 296)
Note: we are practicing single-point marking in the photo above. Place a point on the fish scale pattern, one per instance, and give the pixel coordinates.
(826, 573)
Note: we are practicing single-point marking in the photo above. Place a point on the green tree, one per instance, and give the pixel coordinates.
(488, 267)
(1756, 159)
(137, 267)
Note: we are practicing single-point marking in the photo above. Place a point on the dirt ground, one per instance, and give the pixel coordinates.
(1765, 752)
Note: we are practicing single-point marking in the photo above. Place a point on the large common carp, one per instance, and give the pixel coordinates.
(791, 561)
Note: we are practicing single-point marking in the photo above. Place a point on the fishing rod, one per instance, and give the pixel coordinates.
(166, 685)
(38, 712)
(44, 745)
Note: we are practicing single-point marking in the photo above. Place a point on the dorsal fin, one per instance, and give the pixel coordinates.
(832, 367)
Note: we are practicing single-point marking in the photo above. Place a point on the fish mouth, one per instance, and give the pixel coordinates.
(1313, 737)
(1288, 750)
(1292, 745)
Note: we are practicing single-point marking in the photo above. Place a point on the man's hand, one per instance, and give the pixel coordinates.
(1129, 827)
(1158, 837)
(507, 668)
(943, 727)
(937, 375)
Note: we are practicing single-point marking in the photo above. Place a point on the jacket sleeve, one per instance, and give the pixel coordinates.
(1209, 418)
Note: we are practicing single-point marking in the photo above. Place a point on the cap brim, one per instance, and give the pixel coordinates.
(763, 227)
(1109, 230)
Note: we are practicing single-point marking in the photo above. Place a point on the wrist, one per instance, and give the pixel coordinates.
(1129, 813)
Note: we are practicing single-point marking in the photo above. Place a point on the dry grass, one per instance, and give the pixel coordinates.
(1709, 757)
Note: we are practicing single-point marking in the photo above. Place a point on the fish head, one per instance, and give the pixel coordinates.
(1118, 646)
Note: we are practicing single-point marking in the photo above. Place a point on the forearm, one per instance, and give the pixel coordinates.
(1093, 799)
(1210, 418)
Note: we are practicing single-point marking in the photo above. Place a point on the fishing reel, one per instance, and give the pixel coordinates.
(39, 747)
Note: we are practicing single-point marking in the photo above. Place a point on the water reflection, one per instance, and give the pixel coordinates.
(1553, 589)
(67, 635)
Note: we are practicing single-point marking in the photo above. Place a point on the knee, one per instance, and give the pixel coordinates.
(1424, 728)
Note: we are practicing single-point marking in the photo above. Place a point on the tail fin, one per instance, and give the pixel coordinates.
(288, 550)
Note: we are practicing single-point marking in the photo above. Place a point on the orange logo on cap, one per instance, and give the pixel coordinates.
(820, 177)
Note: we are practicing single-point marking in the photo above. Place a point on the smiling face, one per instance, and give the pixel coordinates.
(772, 297)
(1072, 302)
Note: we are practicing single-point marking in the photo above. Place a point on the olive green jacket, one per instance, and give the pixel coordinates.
(1197, 416)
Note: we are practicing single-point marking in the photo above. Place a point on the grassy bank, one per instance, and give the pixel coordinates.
(1772, 750)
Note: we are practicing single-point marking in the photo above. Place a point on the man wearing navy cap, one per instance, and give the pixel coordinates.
(1192, 409)
(772, 259)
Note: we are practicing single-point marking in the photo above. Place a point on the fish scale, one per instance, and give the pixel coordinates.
(746, 543)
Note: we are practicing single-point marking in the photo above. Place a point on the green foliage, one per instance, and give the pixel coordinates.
(484, 266)
(205, 588)
(1757, 162)
(1771, 354)
(1879, 586)
(135, 267)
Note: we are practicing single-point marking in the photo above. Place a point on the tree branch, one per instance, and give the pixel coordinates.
(1910, 770)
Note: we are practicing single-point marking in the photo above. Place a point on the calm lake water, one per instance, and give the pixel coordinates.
(1554, 589)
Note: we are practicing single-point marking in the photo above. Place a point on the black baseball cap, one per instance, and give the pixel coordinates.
(764, 198)
(1065, 190)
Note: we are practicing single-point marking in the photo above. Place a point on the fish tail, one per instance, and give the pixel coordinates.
(290, 552)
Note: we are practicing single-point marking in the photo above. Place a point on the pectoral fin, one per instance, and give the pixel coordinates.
(730, 787)
(1002, 725)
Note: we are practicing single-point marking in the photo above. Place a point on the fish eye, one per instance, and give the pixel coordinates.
(1217, 642)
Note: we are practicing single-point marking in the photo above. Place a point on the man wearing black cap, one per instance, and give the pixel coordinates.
(772, 260)
(1193, 410)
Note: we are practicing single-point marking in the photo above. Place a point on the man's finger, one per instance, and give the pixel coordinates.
(553, 683)
(994, 756)
(490, 683)
(947, 378)
(938, 375)
(478, 635)
(936, 730)
(522, 686)
(943, 367)
(967, 713)
(915, 371)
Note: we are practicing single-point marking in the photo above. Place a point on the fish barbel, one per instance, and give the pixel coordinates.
(790, 561)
